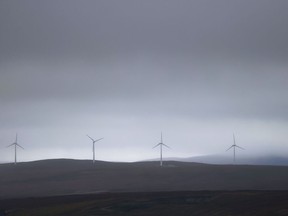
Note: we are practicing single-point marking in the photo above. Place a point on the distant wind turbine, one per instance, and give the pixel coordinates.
(94, 141)
(234, 146)
(15, 146)
(161, 144)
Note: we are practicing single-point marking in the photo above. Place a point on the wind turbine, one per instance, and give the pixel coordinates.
(15, 146)
(161, 144)
(94, 141)
(234, 146)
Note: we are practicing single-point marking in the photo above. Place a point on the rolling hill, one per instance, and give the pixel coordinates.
(66, 177)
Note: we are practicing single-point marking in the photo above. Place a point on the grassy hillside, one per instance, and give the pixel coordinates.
(60, 177)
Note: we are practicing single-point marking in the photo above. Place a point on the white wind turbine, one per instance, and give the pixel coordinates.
(94, 141)
(234, 146)
(15, 146)
(161, 144)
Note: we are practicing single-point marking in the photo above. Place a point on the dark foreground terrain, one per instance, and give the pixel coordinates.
(198, 203)
(76, 187)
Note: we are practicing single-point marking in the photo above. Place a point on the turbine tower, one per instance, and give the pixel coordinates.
(94, 141)
(234, 146)
(15, 147)
(161, 144)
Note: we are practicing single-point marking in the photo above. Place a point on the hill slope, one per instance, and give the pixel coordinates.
(58, 177)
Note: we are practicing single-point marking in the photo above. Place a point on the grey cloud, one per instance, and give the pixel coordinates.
(185, 89)
(66, 63)
(101, 29)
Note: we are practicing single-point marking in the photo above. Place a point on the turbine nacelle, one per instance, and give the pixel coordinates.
(15, 144)
(94, 140)
(235, 146)
(162, 145)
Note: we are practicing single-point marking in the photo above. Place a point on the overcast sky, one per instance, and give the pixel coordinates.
(198, 71)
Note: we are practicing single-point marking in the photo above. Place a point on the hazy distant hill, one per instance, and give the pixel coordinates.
(223, 159)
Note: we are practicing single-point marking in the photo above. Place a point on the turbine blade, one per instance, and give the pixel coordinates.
(10, 145)
(166, 145)
(157, 145)
(91, 138)
(239, 147)
(19, 146)
(230, 148)
(98, 139)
